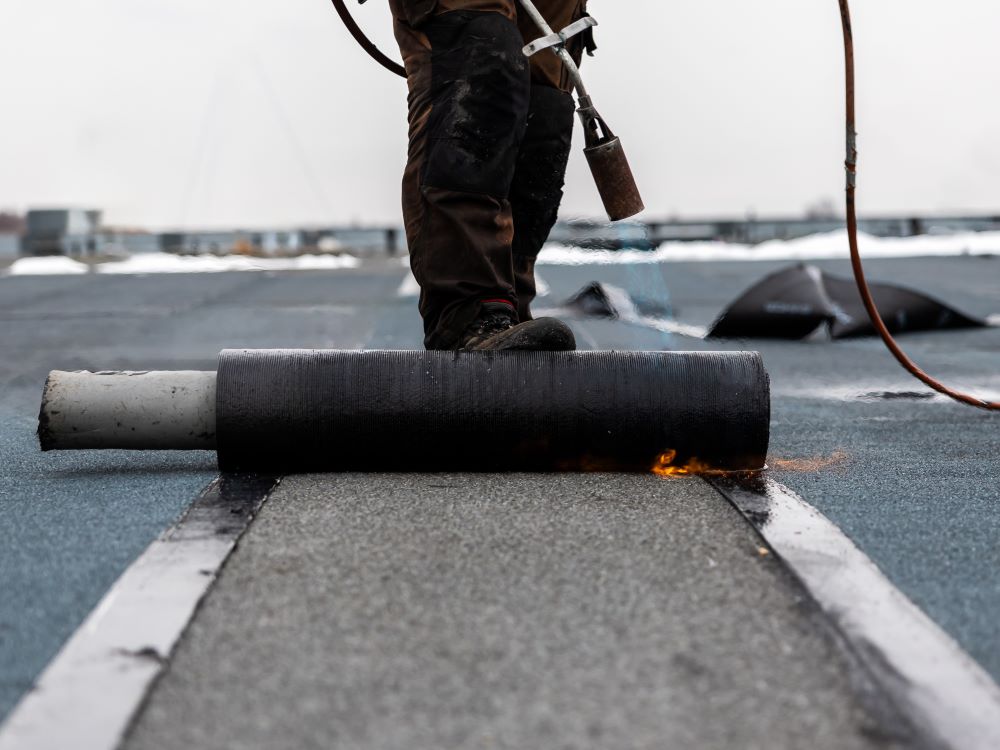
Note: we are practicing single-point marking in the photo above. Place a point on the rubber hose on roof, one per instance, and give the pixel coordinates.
(301, 410)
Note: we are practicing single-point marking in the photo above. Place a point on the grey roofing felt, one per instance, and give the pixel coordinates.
(509, 611)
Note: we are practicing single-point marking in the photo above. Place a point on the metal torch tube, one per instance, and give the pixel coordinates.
(564, 55)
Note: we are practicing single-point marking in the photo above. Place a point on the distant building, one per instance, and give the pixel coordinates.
(594, 235)
(11, 229)
(123, 242)
(61, 231)
(360, 241)
(10, 244)
(76, 232)
(199, 243)
(754, 231)
(232, 242)
(11, 223)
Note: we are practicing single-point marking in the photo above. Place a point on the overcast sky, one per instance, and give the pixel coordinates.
(171, 113)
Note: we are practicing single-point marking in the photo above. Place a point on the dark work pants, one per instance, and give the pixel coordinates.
(490, 135)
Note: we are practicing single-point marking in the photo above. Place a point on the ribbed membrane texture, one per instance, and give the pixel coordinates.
(317, 410)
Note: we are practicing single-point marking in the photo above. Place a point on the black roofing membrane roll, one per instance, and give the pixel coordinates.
(321, 410)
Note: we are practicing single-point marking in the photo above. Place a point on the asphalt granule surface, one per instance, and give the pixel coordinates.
(511, 611)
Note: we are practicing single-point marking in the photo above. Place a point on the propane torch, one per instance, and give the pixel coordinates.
(603, 148)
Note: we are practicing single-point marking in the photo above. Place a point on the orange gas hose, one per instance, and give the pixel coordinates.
(852, 232)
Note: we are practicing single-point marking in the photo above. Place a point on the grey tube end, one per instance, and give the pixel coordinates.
(46, 440)
(129, 410)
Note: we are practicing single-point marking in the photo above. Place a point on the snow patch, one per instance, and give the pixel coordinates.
(831, 245)
(56, 265)
(153, 263)
(314, 263)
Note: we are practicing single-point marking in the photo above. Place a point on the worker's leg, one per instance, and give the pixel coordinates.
(536, 192)
(541, 167)
(469, 96)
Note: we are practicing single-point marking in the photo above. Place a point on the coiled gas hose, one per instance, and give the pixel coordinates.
(852, 232)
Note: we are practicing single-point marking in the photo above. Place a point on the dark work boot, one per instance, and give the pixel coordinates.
(497, 329)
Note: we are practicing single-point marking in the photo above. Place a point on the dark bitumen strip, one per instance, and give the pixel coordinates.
(897, 396)
(935, 685)
(307, 410)
(100, 678)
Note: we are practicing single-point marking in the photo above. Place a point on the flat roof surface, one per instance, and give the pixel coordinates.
(911, 479)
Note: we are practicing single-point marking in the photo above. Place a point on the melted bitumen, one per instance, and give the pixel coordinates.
(896, 396)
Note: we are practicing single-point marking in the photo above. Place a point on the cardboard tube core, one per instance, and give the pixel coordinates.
(131, 410)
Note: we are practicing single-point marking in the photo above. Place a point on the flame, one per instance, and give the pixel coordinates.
(666, 466)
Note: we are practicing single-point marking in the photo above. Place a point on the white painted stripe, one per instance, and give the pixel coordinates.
(932, 680)
(88, 695)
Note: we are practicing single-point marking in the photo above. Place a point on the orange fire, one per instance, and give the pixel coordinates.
(666, 466)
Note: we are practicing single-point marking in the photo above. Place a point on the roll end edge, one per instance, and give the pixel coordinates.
(47, 439)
